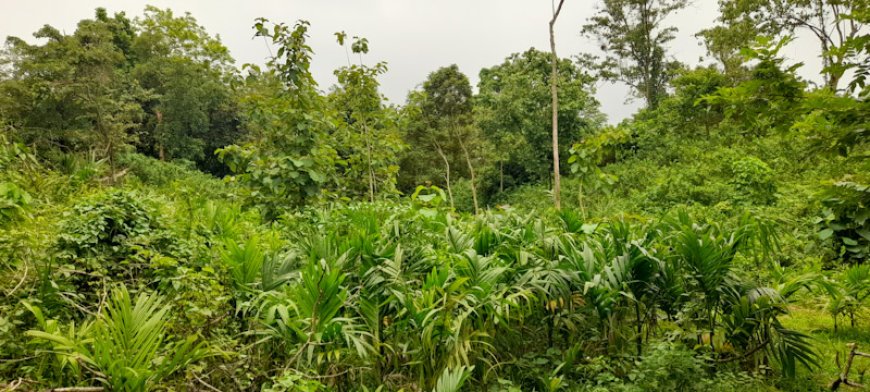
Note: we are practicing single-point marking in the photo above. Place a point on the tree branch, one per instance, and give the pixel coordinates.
(746, 354)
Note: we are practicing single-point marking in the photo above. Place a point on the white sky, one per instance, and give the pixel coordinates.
(414, 37)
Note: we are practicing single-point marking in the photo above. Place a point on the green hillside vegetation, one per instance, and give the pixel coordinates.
(171, 221)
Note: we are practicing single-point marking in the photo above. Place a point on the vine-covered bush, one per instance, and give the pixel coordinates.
(845, 220)
(112, 235)
(754, 180)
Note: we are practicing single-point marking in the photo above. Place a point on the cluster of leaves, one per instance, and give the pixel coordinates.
(306, 146)
(845, 220)
(404, 296)
(754, 179)
(329, 294)
(125, 345)
(159, 83)
(284, 166)
(113, 237)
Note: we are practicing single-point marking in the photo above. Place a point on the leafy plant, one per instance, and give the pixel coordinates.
(13, 201)
(125, 347)
(754, 179)
(846, 220)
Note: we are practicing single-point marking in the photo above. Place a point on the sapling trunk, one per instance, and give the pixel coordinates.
(554, 75)
(471, 173)
(446, 174)
(639, 338)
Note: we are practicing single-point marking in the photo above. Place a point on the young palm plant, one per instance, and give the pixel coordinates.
(125, 348)
(707, 254)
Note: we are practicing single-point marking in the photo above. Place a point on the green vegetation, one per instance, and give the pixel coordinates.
(171, 222)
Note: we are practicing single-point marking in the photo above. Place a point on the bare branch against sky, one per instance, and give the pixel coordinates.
(414, 37)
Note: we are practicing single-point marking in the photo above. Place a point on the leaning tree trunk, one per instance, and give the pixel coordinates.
(446, 174)
(371, 171)
(500, 177)
(471, 173)
(554, 74)
(106, 134)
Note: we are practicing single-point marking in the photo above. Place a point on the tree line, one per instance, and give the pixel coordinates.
(161, 85)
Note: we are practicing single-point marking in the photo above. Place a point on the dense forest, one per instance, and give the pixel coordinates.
(171, 220)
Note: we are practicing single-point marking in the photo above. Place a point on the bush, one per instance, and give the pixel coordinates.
(13, 201)
(672, 367)
(113, 235)
(754, 180)
(845, 220)
(151, 171)
(666, 367)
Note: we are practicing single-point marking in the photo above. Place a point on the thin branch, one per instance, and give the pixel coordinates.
(556, 12)
(207, 385)
(23, 278)
(746, 354)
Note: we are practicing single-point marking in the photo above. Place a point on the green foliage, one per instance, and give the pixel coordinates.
(700, 269)
(845, 220)
(160, 83)
(452, 380)
(666, 368)
(849, 294)
(769, 100)
(633, 36)
(283, 166)
(754, 179)
(13, 201)
(513, 106)
(74, 85)
(125, 348)
(191, 110)
(293, 382)
(368, 136)
(429, 196)
(832, 23)
(588, 154)
(439, 121)
(112, 236)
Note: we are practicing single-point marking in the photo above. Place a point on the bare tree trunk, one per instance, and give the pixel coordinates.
(554, 74)
(500, 176)
(110, 145)
(371, 170)
(161, 152)
(470, 172)
(447, 173)
(112, 166)
(581, 201)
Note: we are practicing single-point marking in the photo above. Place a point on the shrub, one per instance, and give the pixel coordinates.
(13, 201)
(112, 235)
(754, 180)
(845, 220)
(666, 367)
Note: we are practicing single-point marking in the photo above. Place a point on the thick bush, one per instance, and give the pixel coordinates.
(114, 235)
(754, 180)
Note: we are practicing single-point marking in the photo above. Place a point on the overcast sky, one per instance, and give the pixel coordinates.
(414, 37)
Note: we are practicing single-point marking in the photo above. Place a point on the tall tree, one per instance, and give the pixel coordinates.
(192, 111)
(107, 97)
(367, 139)
(513, 110)
(633, 36)
(554, 77)
(73, 92)
(443, 130)
(724, 42)
(289, 158)
(830, 21)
